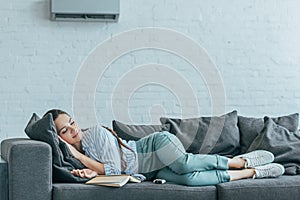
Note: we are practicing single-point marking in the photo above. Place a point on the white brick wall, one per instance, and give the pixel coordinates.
(255, 45)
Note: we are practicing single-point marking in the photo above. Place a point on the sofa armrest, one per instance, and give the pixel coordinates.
(3, 180)
(29, 169)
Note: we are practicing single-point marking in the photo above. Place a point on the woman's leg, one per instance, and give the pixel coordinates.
(204, 178)
(241, 174)
(210, 177)
(164, 149)
(236, 163)
(213, 177)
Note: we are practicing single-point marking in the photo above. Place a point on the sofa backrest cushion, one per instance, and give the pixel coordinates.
(284, 144)
(135, 132)
(207, 135)
(250, 127)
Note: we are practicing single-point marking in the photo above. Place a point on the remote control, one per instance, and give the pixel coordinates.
(159, 181)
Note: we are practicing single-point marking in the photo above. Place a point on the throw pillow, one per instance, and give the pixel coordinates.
(284, 144)
(212, 135)
(135, 132)
(250, 127)
(43, 129)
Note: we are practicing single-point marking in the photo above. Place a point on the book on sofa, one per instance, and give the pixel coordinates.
(113, 180)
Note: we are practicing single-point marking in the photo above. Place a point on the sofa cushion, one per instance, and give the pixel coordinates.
(213, 135)
(284, 144)
(133, 191)
(282, 188)
(135, 132)
(250, 127)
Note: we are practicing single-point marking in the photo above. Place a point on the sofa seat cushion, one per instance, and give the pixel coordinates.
(132, 191)
(282, 188)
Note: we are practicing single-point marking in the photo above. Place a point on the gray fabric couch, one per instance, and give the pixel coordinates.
(30, 162)
(30, 178)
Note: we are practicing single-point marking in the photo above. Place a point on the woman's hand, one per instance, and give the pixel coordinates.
(73, 150)
(91, 164)
(84, 173)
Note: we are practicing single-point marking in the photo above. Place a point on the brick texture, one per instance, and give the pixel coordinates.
(255, 46)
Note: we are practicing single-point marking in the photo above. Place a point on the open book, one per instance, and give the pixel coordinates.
(113, 180)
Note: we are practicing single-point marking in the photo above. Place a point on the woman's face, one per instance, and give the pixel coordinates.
(67, 129)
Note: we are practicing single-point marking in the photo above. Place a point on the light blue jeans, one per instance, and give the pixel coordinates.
(162, 155)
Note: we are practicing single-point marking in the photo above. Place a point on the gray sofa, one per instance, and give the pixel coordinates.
(30, 162)
(30, 178)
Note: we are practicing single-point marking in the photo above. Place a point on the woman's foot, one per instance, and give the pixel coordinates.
(271, 170)
(257, 158)
(236, 163)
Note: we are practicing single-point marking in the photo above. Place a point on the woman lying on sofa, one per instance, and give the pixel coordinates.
(159, 155)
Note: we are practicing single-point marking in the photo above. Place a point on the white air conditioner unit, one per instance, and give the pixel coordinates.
(85, 10)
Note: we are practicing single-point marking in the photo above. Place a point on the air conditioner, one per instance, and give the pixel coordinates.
(85, 10)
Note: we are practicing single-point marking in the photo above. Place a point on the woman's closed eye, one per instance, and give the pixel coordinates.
(71, 124)
(64, 130)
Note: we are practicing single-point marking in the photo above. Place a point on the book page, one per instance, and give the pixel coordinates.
(108, 179)
(113, 180)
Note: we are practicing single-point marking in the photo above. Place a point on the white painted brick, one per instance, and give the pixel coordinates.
(254, 44)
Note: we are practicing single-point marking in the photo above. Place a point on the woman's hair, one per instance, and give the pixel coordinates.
(56, 112)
